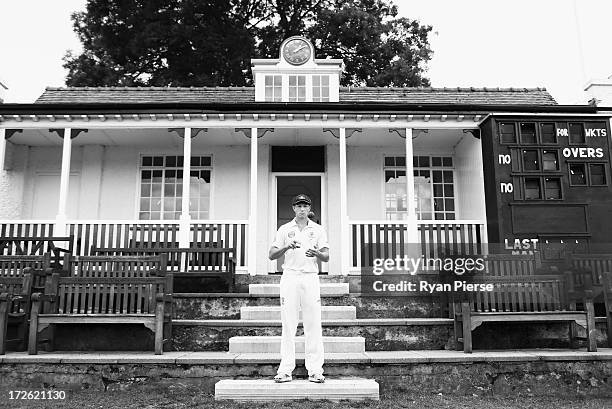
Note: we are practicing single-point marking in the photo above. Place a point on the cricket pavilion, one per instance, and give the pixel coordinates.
(216, 167)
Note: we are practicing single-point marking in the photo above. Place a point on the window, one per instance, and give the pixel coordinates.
(597, 172)
(507, 132)
(434, 189)
(161, 187)
(274, 88)
(395, 187)
(530, 160)
(528, 133)
(550, 160)
(320, 88)
(532, 189)
(577, 174)
(552, 188)
(297, 88)
(548, 133)
(576, 134)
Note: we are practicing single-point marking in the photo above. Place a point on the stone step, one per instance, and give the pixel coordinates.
(335, 312)
(260, 390)
(272, 344)
(227, 306)
(380, 334)
(327, 289)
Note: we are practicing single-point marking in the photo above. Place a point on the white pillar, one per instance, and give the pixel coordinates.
(185, 220)
(344, 225)
(2, 148)
(413, 233)
(61, 218)
(252, 236)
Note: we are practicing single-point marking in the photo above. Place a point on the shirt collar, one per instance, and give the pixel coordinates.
(294, 223)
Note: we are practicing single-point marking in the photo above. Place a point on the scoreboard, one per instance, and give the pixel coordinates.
(547, 179)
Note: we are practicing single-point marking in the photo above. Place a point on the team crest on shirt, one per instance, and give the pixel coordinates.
(311, 234)
(291, 234)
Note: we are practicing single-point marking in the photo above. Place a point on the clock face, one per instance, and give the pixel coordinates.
(296, 51)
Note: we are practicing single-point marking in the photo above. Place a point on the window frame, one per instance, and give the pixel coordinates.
(164, 168)
(556, 138)
(589, 174)
(569, 134)
(540, 163)
(569, 174)
(501, 134)
(430, 169)
(561, 193)
(535, 133)
(273, 87)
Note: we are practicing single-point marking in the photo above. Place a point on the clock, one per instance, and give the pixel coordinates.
(296, 51)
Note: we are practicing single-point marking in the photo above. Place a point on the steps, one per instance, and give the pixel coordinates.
(272, 344)
(328, 312)
(327, 289)
(255, 347)
(257, 390)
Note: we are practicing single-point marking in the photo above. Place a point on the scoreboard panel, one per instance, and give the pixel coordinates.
(547, 179)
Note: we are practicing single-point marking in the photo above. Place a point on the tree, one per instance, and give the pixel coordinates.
(210, 43)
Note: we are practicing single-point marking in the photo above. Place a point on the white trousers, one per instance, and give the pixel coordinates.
(301, 290)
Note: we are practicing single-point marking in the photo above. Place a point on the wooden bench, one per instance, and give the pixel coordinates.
(594, 263)
(507, 265)
(498, 265)
(103, 300)
(117, 266)
(15, 295)
(531, 298)
(207, 262)
(606, 281)
(15, 266)
(22, 245)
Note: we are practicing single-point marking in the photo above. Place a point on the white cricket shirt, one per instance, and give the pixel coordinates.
(311, 237)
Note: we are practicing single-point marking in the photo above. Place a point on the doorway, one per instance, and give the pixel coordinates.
(288, 185)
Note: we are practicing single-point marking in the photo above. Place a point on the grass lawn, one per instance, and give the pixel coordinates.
(146, 398)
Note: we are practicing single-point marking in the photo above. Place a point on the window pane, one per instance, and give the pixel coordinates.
(268, 80)
(171, 161)
(301, 80)
(532, 188)
(400, 161)
(436, 161)
(576, 133)
(548, 133)
(389, 160)
(447, 161)
(325, 80)
(206, 161)
(550, 160)
(598, 174)
(508, 134)
(448, 176)
(158, 161)
(437, 176)
(577, 174)
(147, 161)
(292, 80)
(553, 188)
(278, 80)
(528, 133)
(530, 160)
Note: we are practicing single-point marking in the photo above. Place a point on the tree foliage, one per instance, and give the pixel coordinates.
(211, 43)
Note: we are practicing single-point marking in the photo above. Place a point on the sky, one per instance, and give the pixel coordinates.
(555, 44)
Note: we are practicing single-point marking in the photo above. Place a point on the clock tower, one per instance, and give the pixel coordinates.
(296, 75)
